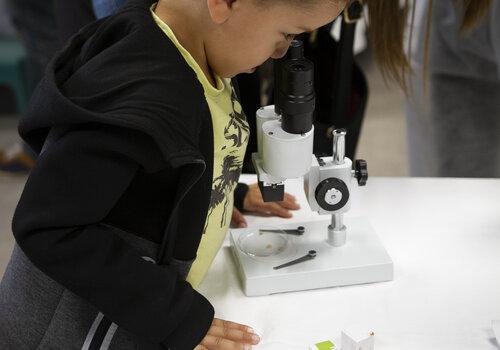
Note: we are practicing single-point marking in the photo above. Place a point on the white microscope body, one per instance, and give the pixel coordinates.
(314, 254)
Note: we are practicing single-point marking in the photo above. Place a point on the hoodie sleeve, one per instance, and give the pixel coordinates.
(240, 193)
(58, 225)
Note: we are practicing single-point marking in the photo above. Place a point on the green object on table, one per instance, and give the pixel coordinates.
(12, 58)
(326, 345)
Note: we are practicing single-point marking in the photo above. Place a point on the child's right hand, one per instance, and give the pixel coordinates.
(225, 335)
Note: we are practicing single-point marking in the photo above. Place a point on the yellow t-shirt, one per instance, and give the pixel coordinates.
(231, 134)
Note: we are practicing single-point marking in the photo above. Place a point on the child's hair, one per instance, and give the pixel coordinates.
(388, 23)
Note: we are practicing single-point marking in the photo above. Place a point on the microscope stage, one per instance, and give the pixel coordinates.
(363, 259)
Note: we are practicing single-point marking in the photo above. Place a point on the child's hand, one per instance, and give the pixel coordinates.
(225, 335)
(238, 220)
(253, 202)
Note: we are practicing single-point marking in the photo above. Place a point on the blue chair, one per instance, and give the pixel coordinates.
(12, 58)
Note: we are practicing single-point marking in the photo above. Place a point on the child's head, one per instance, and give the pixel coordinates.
(245, 33)
(239, 35)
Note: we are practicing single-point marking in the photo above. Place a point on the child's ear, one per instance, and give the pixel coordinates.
(220, 10)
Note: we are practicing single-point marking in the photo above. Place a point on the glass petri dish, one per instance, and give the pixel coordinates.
(266, 246)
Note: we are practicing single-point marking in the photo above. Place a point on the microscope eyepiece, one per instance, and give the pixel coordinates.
(296, 50)
(295, 97)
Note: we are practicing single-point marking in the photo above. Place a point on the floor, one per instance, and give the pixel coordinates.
(383, 145)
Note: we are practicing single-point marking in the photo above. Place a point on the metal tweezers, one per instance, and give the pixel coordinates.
(310, 255)
(299, 231)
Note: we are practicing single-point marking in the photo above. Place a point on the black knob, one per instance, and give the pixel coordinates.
(332, 194)
(361, 172)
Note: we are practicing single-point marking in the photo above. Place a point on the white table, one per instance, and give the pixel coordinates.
(444, 238)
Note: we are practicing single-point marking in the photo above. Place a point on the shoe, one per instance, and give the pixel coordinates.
(16, 160)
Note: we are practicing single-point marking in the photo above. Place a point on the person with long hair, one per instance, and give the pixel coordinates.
(453, 109)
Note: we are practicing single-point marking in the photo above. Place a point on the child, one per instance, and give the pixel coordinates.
(141, 140)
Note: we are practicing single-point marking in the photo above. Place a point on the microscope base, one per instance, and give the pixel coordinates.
(363, 259)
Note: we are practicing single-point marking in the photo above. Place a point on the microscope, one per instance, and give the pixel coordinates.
(336, 251)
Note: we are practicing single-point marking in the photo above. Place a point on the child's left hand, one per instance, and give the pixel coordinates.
(254, 203)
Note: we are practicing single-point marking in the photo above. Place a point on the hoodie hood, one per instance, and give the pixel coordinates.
(121, 71)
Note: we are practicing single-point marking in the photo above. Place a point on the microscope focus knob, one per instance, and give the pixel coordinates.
(361, 172)
(332, 194)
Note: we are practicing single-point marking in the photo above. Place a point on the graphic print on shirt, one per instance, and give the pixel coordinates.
(237, 133)
(238, 123)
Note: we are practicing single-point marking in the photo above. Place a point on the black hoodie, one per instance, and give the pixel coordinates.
(130, 148)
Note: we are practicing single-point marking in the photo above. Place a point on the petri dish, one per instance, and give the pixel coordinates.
(265, 246)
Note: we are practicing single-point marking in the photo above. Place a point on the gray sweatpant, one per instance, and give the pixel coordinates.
(38, 313)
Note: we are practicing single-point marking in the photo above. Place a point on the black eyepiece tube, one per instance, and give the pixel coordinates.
(296, 98)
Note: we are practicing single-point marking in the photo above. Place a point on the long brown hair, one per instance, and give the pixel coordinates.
(388, 22)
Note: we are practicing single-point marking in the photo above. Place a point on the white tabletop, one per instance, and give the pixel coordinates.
(444, 238)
